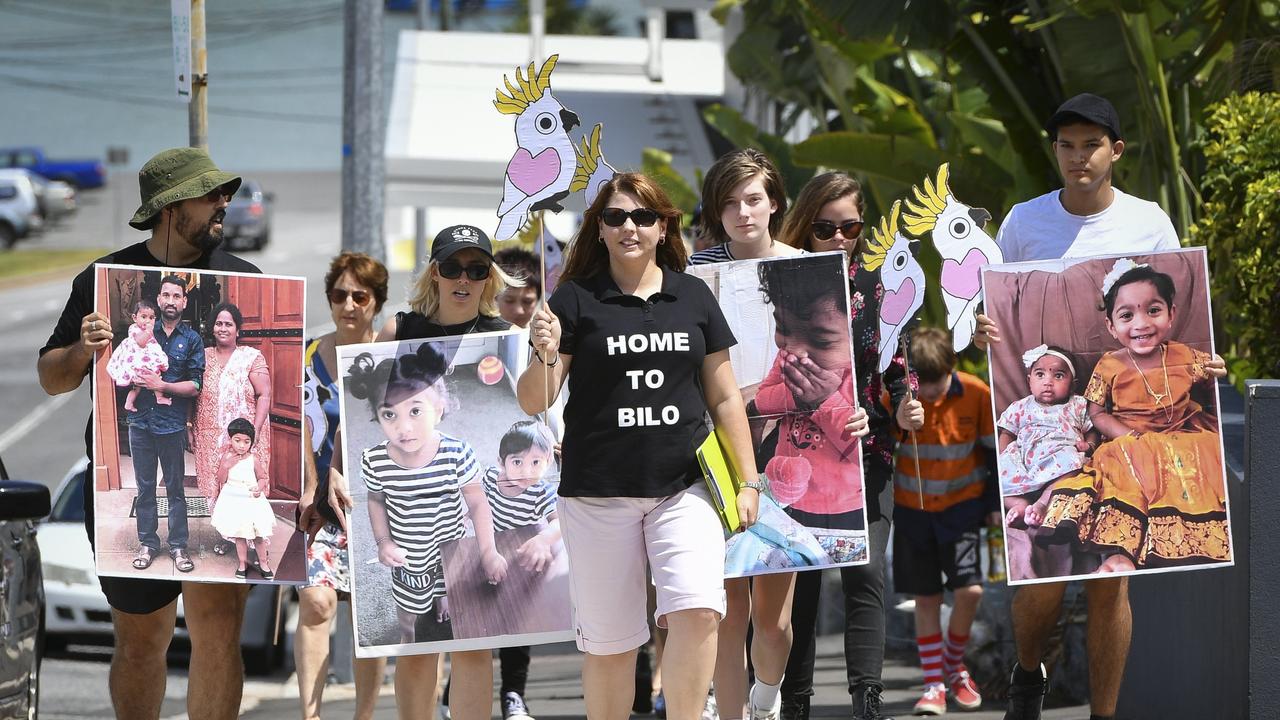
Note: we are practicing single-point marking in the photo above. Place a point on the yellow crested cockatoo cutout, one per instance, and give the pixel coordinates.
(956, 231)
(902, 278)
(539, 173)
(593, 170)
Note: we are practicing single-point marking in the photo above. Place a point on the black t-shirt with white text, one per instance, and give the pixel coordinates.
(636, 412)
(80, 302)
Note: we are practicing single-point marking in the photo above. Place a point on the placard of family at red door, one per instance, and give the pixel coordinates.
(1108, 423)
(197, 417)
(794, 366)
(455, 540)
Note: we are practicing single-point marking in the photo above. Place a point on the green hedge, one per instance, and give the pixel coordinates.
(1240, 226)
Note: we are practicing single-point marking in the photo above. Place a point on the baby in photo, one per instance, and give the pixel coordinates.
(1042, 437)
(138, 354)
(518, 494)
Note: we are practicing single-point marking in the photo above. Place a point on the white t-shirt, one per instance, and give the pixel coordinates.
(1041, 229)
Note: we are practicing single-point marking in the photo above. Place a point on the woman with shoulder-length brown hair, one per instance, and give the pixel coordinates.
(645, 349)
(828, 215)
(743, 205)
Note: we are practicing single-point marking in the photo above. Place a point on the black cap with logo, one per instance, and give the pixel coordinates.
(1089, 108)
(459, 237)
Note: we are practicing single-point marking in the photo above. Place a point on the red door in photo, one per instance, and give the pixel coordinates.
(272, 311)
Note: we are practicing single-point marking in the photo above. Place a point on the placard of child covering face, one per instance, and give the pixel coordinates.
(1110, 441)
(197, 409)
(454, 537)
(794, 365)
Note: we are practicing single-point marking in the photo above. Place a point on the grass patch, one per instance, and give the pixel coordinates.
(20, 263)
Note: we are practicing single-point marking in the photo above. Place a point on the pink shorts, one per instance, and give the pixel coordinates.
(608, 541)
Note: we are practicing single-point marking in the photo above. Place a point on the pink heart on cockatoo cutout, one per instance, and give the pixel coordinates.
(963, 279)
(897, 303)
(531, 173)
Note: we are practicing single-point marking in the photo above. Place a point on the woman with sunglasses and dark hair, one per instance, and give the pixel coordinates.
(356, 287)
(828, 215)
(646, 351)
(457, 292)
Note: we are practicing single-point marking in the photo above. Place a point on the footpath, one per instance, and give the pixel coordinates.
(554, 691)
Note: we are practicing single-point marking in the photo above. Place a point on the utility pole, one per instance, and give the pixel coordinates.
(363, 129)
(198, 113)
(420, 212)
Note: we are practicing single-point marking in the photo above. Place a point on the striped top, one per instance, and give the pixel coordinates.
(533, 504)
(424, 504)
(714, 254)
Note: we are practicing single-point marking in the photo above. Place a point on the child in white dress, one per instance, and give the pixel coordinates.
(1043, 436)
(139, 353)
(241, 511)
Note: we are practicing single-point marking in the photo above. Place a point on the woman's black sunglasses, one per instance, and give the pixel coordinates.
(642, 217)
(824, 230)
(338, 296)
(452, 270)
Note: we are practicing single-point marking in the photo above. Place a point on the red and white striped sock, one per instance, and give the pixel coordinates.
(930, 647)
(953, 653)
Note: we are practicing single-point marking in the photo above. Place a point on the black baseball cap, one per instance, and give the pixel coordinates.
(459, 237)
(1089, 108)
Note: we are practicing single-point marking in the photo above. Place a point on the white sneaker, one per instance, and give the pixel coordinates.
(710, 711)
(759, 713)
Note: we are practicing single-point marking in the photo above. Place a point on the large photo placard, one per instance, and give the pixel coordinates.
(1108, 424)
(197, 426)
(794, 366)
(455, 540)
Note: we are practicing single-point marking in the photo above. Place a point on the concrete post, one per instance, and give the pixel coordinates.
(198, 108)
(363, 130)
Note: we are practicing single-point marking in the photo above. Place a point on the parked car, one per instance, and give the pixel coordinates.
(21, 596)
(54, 198)
(19, 207)
(78, 173)
(76, 611)
(247, 225)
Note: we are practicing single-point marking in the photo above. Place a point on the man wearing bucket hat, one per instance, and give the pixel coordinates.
(184, 196)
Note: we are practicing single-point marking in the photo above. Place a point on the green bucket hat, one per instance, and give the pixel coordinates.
(175, 175)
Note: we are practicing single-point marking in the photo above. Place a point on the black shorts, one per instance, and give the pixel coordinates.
(918, 566)
(135, 596)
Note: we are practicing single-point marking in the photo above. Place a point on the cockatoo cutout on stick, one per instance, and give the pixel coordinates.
(902, 278)
(593, 170)
(956, 231)
(539, 173)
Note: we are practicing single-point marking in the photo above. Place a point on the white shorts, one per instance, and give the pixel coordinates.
(608, 541)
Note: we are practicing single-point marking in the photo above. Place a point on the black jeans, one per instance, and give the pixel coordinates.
(147, 449)
(514, 665)
(864, 618)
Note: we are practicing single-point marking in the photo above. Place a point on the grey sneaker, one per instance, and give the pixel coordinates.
(763, 713)
(513, 707)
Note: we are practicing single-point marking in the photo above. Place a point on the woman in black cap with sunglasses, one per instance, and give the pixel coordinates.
(456, 293)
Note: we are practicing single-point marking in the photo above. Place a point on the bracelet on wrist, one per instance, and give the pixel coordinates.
(538, 356)
(380, 540)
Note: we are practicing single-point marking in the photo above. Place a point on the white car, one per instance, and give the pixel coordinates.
(76, 611)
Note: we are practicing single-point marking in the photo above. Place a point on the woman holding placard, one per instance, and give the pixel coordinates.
(645, 350)
(828, 215)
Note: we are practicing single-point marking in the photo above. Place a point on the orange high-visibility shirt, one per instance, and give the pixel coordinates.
(957, 428)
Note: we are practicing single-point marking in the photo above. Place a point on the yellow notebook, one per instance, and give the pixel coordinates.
(722, 477)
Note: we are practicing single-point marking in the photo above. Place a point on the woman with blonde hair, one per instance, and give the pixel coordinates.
(828, 215)
(645, 349)
(455, 294)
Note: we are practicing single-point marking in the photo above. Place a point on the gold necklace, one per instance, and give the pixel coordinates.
(1159, 398)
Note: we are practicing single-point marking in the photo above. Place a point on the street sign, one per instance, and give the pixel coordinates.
(182, 47)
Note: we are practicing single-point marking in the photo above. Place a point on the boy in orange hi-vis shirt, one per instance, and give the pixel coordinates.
(960, 489)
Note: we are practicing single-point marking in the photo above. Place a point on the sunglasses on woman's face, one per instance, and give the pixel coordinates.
(452, 270)
(642, 217)
(824, 230)
(338, 296)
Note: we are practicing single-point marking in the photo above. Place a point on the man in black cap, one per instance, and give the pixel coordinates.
(1088, 216)
(184, 197)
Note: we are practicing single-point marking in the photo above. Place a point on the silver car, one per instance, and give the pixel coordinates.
(21, 596)
(247, 225)
(76, 611)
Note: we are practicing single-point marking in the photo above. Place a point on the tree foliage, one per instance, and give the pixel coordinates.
(1241, 227)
